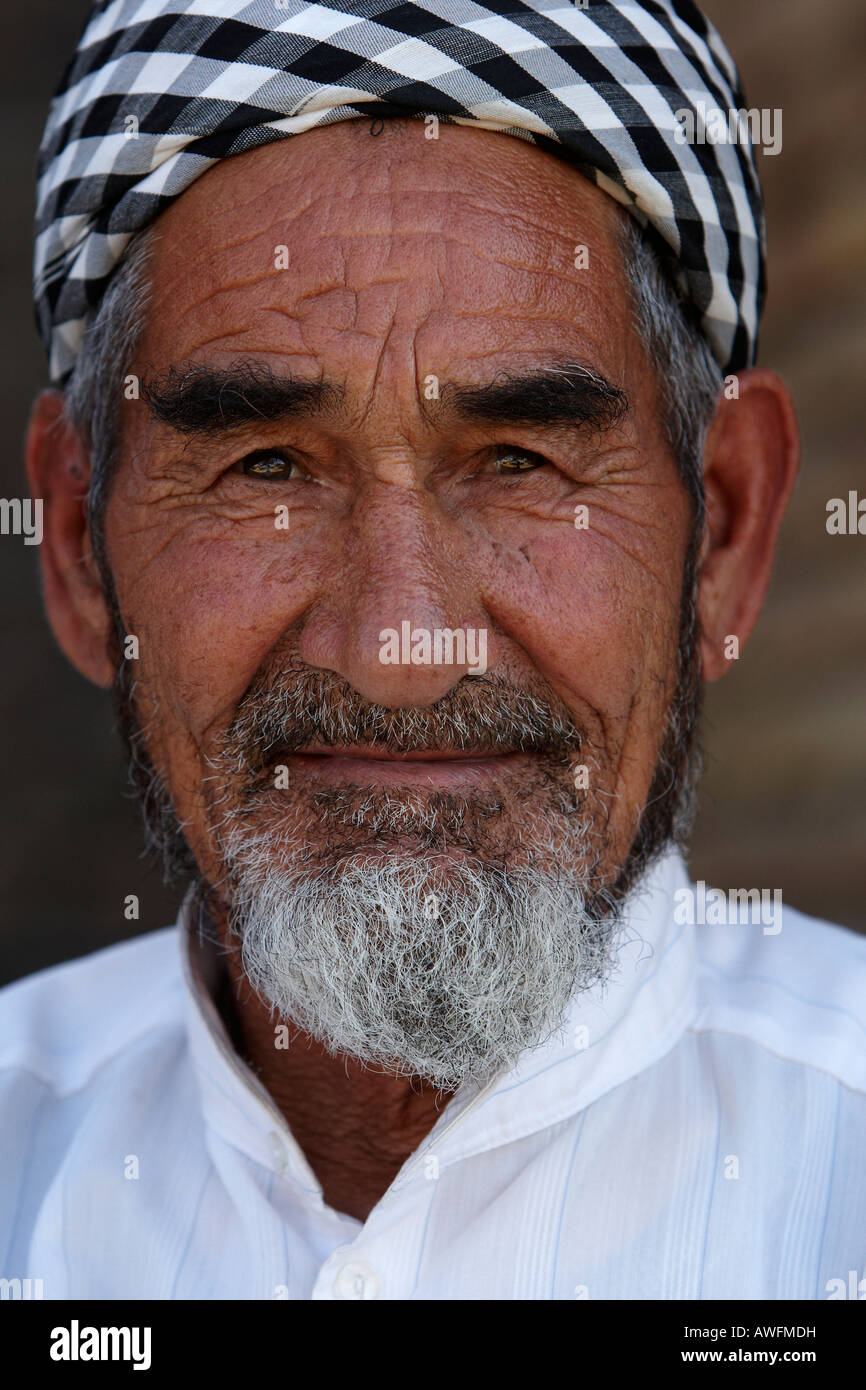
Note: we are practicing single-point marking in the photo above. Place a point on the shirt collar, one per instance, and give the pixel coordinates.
(611, 1033)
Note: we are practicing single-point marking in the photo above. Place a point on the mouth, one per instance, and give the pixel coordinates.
(432, 767)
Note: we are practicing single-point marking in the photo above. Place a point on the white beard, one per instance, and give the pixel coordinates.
(422, 964)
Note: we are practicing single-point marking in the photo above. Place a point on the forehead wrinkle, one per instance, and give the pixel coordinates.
(235, 203)
(510, 274)
(498, 277)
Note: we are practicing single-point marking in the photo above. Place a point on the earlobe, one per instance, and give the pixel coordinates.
(58, 471)
(751, 459)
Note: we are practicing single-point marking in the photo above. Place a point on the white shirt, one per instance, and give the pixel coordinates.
(697, 1131)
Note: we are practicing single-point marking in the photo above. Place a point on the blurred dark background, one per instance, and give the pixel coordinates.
(782, 802)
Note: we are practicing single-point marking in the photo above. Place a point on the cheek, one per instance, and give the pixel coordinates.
(601, 629)
(600, 625)
(207, 611)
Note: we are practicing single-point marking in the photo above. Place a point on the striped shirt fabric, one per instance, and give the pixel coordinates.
(696, 1131)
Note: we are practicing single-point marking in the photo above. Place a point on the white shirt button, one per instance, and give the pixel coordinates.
(356, 1280)
(278, 1152)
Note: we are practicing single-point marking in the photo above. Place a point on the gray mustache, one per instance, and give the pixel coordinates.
(289, 711)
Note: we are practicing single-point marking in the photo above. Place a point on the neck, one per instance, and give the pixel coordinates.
(356, 1127)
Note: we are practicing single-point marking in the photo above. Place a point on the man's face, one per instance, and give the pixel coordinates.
(260, 553)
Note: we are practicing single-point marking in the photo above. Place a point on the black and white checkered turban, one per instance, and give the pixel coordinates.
(597, 84)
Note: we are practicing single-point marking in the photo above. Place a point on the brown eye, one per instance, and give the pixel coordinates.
(515, 461)
(267, 466)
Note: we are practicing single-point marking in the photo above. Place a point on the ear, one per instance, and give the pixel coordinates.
(58, 471)
(751, 459)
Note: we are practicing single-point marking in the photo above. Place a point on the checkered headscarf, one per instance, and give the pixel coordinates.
(159, 90)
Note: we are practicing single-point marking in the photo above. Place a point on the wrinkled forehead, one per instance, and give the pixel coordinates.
(468, 248)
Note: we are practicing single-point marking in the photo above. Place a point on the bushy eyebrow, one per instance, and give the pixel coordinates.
(567, 395)
(206, 400)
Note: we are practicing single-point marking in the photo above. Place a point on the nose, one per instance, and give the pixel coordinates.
(404, 621)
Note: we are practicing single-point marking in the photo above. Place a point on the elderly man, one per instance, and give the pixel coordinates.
(405, 481)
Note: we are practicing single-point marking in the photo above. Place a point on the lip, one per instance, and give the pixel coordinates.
(431, 767)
